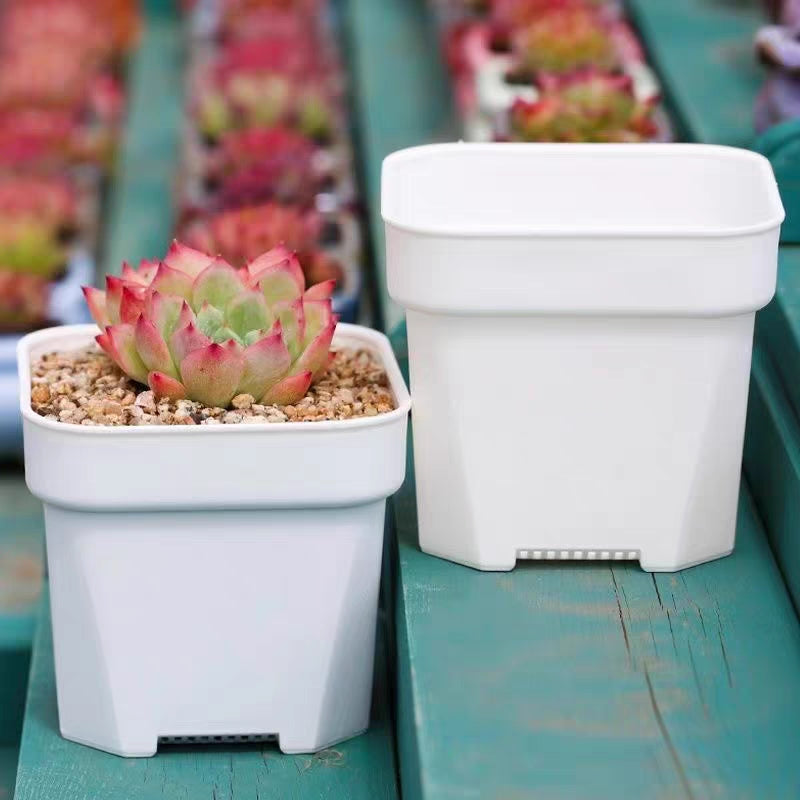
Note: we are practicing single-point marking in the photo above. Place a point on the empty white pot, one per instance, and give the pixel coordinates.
(580, 322)
(213, 582)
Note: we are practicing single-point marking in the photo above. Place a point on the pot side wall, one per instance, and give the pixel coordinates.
(584, 434)
(214, 624)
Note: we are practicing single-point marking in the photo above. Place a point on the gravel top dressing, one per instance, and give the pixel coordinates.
(86, 388)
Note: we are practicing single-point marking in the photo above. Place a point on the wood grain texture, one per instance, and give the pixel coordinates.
(402, 98)
(703, 52)
(576, 681)
(21, 566)
(143, 203)
(772, 465)
(51, 768)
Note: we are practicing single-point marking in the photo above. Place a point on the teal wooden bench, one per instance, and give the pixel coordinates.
(51, 767)
(573, 681)
(21, 535)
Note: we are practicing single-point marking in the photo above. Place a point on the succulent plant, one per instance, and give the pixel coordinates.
(91, 30)
(50, 201)
(194, 327)
(296, 23)
(514, 13)
(27, 246)
(261, 164)
(563, 38)
(588, 106)
(265, 100)
(779, 98)
(24, 300)
(254, 85)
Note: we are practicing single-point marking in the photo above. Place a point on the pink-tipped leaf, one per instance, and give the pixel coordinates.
(217, 285)
(266, 362)
(320, 291)
(153, 349)
(186, 259)
(165, 386)
(96, 301)
(120, 344)
(131, 304)
(315, 357)
(185, 339)
(212, 374)
(172, 281)
(289, 390)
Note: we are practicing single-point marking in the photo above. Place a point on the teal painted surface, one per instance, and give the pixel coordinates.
(778, 325)
(21, 556)
(142, 207)
(772, 441)
(576, 681)
(402, 99)
(51, 768)
(8, 771)
(703, 52)
(772, 464)
(781, 145)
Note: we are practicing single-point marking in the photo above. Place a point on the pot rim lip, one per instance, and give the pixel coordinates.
(374, 340)
(774, 210)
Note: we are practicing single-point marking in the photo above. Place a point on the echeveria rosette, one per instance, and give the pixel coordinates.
(779, 99)
(588, 106)
(565, 37)
(193, 326)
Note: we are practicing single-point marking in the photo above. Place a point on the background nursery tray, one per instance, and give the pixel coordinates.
(309, 174)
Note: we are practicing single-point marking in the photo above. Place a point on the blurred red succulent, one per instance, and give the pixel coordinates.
(566, 36)
(24, 300)
(52, 201)
(260, 164)
(587, 106)
(240, 235)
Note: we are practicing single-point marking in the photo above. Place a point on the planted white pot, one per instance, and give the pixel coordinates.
(213, 582)
(580, 322)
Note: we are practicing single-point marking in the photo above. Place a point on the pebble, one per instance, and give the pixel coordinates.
(87, 388)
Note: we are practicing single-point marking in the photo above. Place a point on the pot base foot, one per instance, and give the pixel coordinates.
(291, 747)
(647, 567)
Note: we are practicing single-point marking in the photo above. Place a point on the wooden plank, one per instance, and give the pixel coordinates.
(778, 325)
(402, 98)
(576, 680)
(51, 768)
(703, 52)
(772, 443)
(772, 464)
(8, 771)
(21, 557)
(142, 208)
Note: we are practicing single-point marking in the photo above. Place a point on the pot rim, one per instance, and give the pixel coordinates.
(774, 211)
(345, 333)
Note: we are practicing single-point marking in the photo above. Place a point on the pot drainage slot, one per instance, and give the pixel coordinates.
(238, 738)
(579, 555)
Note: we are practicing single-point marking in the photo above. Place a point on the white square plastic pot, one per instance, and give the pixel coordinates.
(213, 582)
(580, 323)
